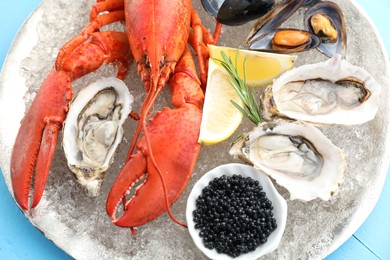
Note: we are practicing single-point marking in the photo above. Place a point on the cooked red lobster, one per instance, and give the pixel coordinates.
(164, 148)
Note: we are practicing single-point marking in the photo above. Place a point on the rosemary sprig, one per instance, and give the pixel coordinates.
(251, 109)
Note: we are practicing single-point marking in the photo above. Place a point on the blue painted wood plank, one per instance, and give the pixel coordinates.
(375, 232)
(19, 239)
(15, 14)
(373, 235)
(379, 13)
(352, 249)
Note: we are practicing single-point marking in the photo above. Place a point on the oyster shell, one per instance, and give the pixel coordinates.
(297, 156)
(93, 130)
(330, 92)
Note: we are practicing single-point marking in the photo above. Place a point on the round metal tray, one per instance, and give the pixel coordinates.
(80, 225)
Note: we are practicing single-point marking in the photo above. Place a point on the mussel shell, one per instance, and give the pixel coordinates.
(273, 19)
(265, 43)
(335, 15)
(310, 2)
(237, 12)
(212, 6)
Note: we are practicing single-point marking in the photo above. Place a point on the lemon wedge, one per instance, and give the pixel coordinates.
(220, 117)
(261, 67)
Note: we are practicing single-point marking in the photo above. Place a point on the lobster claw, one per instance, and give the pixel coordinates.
(156, 175)
(172, 145)
(37, 138)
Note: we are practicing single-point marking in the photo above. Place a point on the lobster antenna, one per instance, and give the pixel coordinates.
(143, 126)
(162, 182)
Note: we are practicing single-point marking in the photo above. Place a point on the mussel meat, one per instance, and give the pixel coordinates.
(322, 26)
(286, 41)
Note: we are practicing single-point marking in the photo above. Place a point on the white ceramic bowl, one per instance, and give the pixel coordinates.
(278, 202)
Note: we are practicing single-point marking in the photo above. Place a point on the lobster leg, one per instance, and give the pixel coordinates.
(199, 40)
(37, 137)
(101, 6)
(85, 35)
(165, 154)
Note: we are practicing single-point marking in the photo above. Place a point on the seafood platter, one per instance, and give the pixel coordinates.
(105, 160)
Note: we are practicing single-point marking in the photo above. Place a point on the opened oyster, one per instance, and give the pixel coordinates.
(330, 92)
(297, 156)
(93, 130)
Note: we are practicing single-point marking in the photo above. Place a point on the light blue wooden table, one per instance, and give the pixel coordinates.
(20, 240)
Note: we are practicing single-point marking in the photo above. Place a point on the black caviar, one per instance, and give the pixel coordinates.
(234, 215)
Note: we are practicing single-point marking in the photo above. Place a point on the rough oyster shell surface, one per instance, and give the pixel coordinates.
(93, 130)
(329, 92)
(297, 156)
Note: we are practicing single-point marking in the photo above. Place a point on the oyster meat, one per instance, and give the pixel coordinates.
(330, 92)
(297, 156)
(93, 130)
